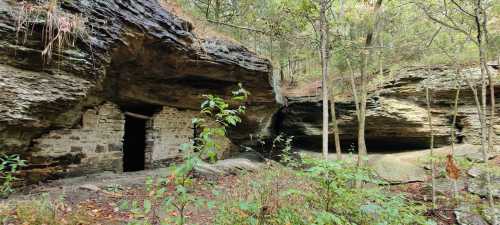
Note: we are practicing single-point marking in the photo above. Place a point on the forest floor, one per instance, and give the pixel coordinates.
(107, 198)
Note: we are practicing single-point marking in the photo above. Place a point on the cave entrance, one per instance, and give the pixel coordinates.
(134, 143)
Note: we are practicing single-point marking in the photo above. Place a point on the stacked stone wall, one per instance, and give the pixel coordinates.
(165, 132)
(94, 146)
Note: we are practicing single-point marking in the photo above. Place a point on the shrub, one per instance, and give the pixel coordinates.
(323, 193)
(9, 166)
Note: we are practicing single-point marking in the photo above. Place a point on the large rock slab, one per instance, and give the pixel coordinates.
(396, 117)
(396, 170)
(134, 53)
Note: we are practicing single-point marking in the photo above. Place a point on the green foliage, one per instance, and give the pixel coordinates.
(203, 146)
(404, 36)
(283, 145)
(323, 193)
(9, 166)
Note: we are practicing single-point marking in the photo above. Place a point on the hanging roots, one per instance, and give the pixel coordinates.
(60, 29)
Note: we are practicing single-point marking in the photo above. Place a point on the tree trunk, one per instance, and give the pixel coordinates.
(482, 40)
(362, 151)
(366, 52)
(324, 72)
(453, 130)
(207, 13)
(353, 87)
(338, 150)
(433, 167)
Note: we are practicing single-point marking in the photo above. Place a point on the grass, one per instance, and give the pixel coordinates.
(44, 211)
(273, 195)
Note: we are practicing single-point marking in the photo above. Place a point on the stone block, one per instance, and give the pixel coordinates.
(89, 119)
(62, 132)
(75, 138)
(114, 148)
(117, 155)
(100, 149)
(76, 149)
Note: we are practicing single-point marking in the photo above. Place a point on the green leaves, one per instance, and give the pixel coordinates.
(9, 165)
(203, 146)
(147, 206)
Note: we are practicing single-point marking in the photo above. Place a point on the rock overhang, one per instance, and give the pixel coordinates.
(135, 54)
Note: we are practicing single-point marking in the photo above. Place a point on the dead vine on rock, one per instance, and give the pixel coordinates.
(60, 30)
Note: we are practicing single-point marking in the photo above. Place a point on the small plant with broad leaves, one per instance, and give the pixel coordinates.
(283, 145)
(203, 146)
(9, 166)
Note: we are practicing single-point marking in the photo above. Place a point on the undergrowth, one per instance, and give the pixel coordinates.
(44, 211)
(323, 193)
(9, 167)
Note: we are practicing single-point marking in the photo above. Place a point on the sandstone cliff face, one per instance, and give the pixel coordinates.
(135, 55)
(396, 115)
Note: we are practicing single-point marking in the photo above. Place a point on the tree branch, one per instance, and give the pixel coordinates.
(462, 9)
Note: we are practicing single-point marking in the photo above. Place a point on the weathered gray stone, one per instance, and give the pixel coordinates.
(244, 162)
(396, 117)
(395, 170)
(477, 185)
(90, 187)
(114, 148)
(146, 58)
(465, 216)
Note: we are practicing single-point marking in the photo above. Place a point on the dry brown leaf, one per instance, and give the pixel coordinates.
(452, 170)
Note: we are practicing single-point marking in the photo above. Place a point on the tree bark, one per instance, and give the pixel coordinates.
(481, 21)
(336, 135)
(324, 72)
(453, 129)
(366, 52)
(433, 169)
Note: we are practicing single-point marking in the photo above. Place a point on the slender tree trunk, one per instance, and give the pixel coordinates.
(366, 52)
(482, 40)
(453, 130)
(353, 87)
(207, 13)
(338, 150)
(217, 10)
(481, 21)
(433, 169)
(362, 151)
(324, 72)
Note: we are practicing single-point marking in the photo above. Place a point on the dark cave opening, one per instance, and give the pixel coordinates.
(134, 144)
(373, 144)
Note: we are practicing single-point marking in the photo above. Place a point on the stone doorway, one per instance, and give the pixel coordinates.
(134, 143)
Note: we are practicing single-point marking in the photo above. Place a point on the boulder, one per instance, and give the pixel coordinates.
(466, 216)
(396, 170)
(244, 162)
(477, 184)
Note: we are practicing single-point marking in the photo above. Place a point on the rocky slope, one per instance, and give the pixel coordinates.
(132, 53)
(396, 116)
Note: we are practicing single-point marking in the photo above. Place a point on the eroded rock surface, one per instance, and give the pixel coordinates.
(396, 116)
(134, 55)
